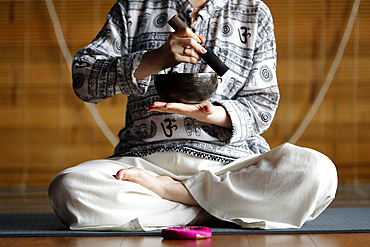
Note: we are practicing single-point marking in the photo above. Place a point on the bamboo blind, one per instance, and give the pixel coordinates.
(44, 128)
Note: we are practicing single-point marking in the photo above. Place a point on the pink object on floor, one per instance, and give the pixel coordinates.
(186, 232)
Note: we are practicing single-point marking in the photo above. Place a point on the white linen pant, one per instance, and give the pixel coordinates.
(282, 188)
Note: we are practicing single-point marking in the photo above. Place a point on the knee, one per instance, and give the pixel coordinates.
(325, 169)
(323, 182)
(61, 196)
(315, 167)
(59, 187)
(321, 171)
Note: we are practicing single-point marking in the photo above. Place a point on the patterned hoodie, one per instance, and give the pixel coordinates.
(241, 34)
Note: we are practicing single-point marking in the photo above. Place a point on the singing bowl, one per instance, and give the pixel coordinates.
(186, 87)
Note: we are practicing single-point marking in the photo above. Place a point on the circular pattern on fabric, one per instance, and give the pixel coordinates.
(153, 129)
(266, 73)
(265, 117)
(160, 20)
(227, 30)
(116, 46)
(78, 80)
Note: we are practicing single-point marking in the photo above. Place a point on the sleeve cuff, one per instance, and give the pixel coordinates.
(126, 79)
(240, 119)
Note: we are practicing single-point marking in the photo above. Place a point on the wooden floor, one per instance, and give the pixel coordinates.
(35, 200)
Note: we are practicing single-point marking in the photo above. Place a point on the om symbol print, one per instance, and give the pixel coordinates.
(244, 34)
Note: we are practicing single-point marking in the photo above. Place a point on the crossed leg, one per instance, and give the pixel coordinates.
(169, 189)
(164, 186)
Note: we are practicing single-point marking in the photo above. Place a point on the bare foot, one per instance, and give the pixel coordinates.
(164, 186)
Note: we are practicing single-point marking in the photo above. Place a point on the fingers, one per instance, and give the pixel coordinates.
(190, 39)
(191, 110)
(186, 32)
(187, 44)
(190, 54)
(202, 40)
(162, 106)
(195, 36)
(176, 108)
(181, 46)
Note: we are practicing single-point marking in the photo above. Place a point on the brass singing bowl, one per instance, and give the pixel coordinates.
(186, 87)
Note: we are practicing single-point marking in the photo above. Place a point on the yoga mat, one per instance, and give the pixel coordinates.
(332, 220)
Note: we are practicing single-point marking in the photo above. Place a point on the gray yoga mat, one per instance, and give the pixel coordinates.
(332, 220)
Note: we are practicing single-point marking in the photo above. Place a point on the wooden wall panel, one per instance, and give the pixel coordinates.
(44, 128)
